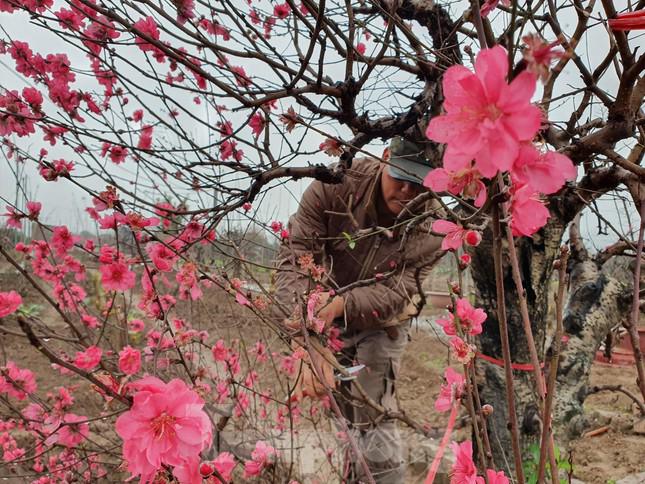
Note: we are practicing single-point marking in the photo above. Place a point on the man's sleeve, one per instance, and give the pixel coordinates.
(306, 227)
(388, 303)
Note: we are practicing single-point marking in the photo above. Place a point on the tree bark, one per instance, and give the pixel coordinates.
(536, 256)
(597, 301)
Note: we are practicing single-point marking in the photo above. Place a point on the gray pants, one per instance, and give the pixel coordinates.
(378, 437)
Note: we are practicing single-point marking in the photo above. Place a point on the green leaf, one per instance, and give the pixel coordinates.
(351, 243)
(30, 310)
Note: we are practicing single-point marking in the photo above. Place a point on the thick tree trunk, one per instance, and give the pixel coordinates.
(536, 257)
(596, 303)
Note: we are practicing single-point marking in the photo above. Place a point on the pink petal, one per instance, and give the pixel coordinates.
(455, 160)
(523, 124)
(461, 88)
(498, 154)
(481, 194)
(241, 299)
(444, 226)
(445, 128)
(452, 241)
(518, 93)
(437, 180)
(442, 404)
(453, 376)
(491, 67)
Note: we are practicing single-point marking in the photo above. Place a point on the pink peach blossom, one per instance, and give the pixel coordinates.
(490, 5)
(224, 464)
(9, 303)
(260, 459)
(256, 123)
(466, 182)
(70, 19)
(451, 390)
(463, 351)
(136, 325)
(17, 382)
(162, 256)
(241, 78)
(276, 226)
(543, 172)
(494, 116)
(282, 10)
(88, 359)
(538, 55)
(34, 209)
(464, 470)
(185, 10)
(220, 351)
(470, 319)
(145, 138)
(455, 235)
(14, 218)
(494, 477)
(69, 432)
(129, 360)
(117, 276)
(528, 212)
(166, 425)
(149, 27)
(63, 240)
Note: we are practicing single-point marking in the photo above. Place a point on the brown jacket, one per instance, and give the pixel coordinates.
(317, 228)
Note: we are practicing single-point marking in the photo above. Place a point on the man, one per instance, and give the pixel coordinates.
(355, 230)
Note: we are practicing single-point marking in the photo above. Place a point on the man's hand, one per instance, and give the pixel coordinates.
(308, 384)
(326, 309)
(331, 310)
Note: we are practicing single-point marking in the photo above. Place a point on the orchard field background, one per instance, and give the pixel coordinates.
(152, 153)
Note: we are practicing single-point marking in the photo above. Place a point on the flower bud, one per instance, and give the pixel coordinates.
(473, 238)
(205, 469)
(487, 410)
(464, 261)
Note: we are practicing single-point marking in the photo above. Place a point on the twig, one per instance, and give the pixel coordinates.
(36, 343)
(42, 292)
(619, 388)
(506, 352)
(547, 432)
(528, 331)
(632, 324)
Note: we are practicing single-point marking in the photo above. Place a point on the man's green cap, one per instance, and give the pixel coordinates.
(408, 161)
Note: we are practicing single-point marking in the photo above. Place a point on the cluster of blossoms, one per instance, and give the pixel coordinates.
(464, 471)
(500, 123)
(18, 114)
(14, 218)
(278, 228)
(469, 321)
